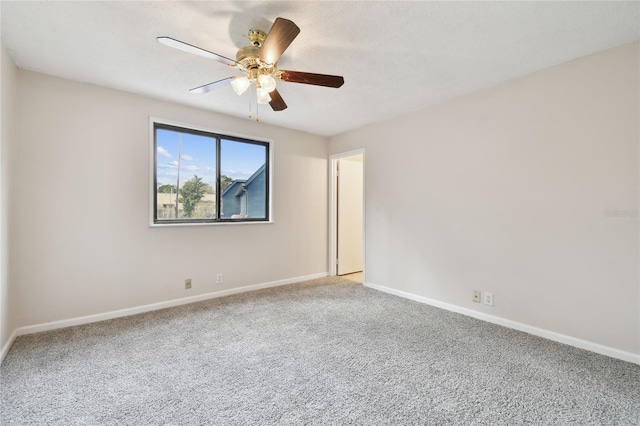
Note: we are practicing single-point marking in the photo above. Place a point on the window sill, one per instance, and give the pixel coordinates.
(165, 225)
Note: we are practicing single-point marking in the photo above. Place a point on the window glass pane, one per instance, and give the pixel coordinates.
(185, 175)
(190, 164)
(243, 180)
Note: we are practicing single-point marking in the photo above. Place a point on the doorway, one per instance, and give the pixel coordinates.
(346, 240)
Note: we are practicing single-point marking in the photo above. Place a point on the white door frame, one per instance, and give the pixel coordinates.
(333, 209)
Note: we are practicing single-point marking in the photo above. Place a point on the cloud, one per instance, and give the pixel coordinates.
(236, 174)
(167, 174)
(163, 152)
(192, 168)
(186, 157)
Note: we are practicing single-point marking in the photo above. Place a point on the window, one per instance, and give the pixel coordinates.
(205, 177)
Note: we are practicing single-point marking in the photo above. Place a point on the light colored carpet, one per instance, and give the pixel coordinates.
(327, 351)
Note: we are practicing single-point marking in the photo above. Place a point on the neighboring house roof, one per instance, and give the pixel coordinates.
(256, 174)
(235, 185)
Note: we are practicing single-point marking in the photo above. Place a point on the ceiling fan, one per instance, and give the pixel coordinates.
(259, 64)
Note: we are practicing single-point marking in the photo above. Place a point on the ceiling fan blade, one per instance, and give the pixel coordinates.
(279, 38)
(212, 86)
(277, 103)
(310, 78)
(177, 44)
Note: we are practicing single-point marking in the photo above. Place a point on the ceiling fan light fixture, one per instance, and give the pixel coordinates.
(267, 82)
(240, 84)
(258, 63)
(263, 96)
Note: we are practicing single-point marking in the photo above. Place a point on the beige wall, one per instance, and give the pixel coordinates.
(506, 190)
(87, 248)
(7, 107)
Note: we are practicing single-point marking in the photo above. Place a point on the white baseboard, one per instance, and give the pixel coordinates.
(551, 335)
(557, 337)
(30, 329)
(7, 345)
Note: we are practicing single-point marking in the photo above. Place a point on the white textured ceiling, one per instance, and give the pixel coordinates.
(395, 57)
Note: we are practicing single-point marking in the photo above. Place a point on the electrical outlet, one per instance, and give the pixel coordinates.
(187, 283)
(219, 279)
(488, 298)
(476, 296)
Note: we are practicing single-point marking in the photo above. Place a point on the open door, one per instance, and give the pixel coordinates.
(349, 222)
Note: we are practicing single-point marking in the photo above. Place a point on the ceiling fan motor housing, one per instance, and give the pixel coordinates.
(248, 61)
(247, 57)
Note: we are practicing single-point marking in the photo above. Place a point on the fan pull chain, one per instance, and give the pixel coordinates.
(250, 114)
(256, 97)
